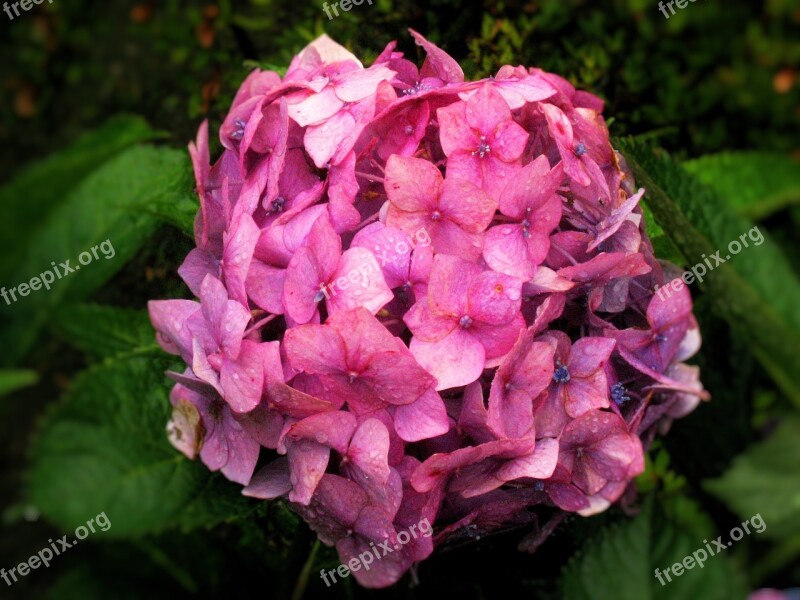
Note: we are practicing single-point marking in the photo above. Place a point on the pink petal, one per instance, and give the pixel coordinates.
(412, 184)
(239, 248)
(538, 465)
(169, 320)
(302, 286)
(333, 429)
(449, 285)
(487, 110)
(494, 298)
(455, 360)
(454, 132)
(270, 482)
(392, 249)
(307, 463)
(264, 285)
(315, 349)
(438, 62)
(196, 266)
(508, 141)
(294, 403)
(243, 378)
(369, 449)
(358, 282)
(466, 205)
(423, 419)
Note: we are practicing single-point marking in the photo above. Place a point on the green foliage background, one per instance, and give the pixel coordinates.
(706, 108)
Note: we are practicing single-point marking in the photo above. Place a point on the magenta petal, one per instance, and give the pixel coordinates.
(412, 184)
(449, 238)
(586, 393)
(455, 360)
(303, 286)
(307, 463)
(423, 419)
(243, 379)
(494, 298)
(369, 449)
(225, 319)
(392, 249)
(505, 250)
(538, 465)
(486, 111)
(315, 349)
(448, 288)
(474, 416)
(264, 286)
(294, 403)
(196, 266)
(567, 497)
(454, 132)
(466, 205)
(358, 282)
(238, 253)
(270, 482)
(169, 320)
(589, 354)
(524, 374)
(396, 377)
(508, 141)
(333, 429)
(440, 64)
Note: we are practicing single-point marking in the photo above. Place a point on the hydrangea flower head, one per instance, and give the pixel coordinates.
(421, 298)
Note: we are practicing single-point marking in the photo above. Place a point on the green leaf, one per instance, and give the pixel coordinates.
(756, 184)
(756, 291)
(105, 449)
(110, 206)
(622, 560)
(662, 246)
(32, 194)
(12, 380)
(765, 480)
(105, 331)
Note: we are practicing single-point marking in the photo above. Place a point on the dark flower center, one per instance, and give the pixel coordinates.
(619, 394)
(483, 149)
(277, 205)
(580, 150)
(436, 216)
(238, 133)
(465, 321)
(561, 374)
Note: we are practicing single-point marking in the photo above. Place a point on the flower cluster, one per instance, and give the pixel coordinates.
(421, 297)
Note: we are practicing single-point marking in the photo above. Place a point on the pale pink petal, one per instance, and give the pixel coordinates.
(423, 419)
(412, 184)
(539, 465)
(455, 360)
(307, 464)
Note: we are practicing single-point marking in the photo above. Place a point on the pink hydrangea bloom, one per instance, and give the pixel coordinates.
(421, 298)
